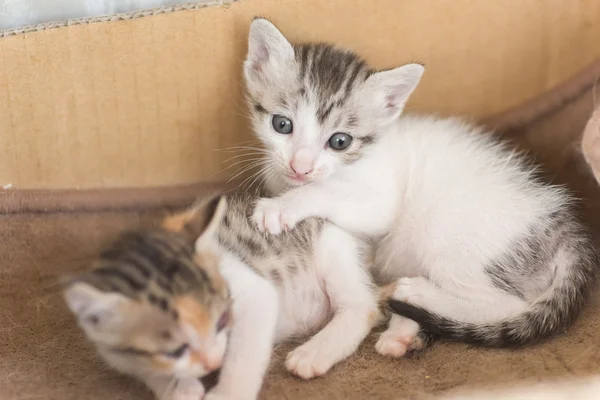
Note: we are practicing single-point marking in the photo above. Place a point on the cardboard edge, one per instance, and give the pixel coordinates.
(105, 199)
(115, 17)
(111, 199)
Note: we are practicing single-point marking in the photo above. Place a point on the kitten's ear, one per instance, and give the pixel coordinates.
(201, 220)
(92, 307)
(391, 89)
(267, 47)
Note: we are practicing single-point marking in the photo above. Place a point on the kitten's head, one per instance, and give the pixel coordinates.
(318, 108)
(155, 303)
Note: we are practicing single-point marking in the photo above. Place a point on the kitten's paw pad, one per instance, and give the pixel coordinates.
(411, 290)
(270, 215)
(186, 390)
(309, 361)
(391, 345)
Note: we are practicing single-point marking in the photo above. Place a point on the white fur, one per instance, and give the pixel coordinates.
(271, 66)
(255, 310)
(336, 291)
(445, 200)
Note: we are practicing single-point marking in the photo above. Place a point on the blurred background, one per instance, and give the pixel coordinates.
(18, 13)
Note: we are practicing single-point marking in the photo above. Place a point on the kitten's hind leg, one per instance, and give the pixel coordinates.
(353, 300)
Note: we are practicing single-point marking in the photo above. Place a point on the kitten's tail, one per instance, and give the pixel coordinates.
(551, 313)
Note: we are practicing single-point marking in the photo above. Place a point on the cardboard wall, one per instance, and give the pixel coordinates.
(146, 102)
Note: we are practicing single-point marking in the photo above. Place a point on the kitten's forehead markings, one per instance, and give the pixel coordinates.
(193, 314)
(332, 73)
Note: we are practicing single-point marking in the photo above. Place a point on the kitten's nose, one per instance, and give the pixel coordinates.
(302, 163)
(212, 363)
(209, 362)
(299, 171)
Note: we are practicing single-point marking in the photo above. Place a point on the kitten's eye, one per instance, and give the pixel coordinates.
(178, 352)
(282, 124)
(340, 141)
(223, 321)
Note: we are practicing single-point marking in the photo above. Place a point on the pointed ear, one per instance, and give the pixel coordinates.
(267, 47)
(391, 89)
(92, 307)
(201, 220)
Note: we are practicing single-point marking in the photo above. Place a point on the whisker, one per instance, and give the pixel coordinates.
(172, 385)
(253, 161)
(266, 177)
(248, 166)
(258, 173)
(253, 153)
(246, 169)
(261, 174)
(240, 147)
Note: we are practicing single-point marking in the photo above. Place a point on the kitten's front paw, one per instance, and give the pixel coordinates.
(310, 360)
(185, 389)
(273, 216)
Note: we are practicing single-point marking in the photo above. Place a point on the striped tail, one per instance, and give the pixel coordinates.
(552, 313)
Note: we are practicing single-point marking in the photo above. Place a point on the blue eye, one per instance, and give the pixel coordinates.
(282, 124)
(340, 141)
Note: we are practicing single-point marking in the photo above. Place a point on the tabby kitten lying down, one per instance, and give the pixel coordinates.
(157, 307)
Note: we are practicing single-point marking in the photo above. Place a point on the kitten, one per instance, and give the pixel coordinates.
(482, 250)
(161, 311)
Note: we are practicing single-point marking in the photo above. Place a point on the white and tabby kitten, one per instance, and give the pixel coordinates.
(156, 305)
(487, 253)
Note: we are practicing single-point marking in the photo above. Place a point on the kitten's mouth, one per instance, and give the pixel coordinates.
(298, 179)
(209, 381)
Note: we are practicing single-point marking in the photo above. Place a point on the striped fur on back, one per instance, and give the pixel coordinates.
(160, 278)
(276, 258)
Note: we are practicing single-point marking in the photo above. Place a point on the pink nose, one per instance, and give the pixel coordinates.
(212, 363)
(302, 163)
(300, 171)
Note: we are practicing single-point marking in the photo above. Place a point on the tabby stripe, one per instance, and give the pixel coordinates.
(140, 264)
(323, 114)
(357, 66)
(303, 53)
(121, 275)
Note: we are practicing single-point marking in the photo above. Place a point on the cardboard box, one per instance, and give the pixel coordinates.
(142, 102)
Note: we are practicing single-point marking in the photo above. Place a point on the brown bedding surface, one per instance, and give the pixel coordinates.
(44, 356)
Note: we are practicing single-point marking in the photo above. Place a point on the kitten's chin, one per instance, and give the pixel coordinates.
(293, 182)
